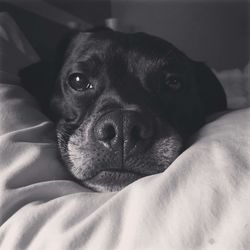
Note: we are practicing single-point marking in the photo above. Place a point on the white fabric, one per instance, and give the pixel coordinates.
(236, 84)
(202, 201)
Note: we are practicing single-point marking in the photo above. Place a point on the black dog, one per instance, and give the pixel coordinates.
(126, 105)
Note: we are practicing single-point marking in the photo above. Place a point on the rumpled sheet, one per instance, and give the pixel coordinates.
(202, 201)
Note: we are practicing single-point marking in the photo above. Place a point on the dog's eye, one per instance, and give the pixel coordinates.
(172, 83)
(79, 82)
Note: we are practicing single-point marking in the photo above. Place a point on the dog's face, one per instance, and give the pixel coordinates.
(126, 103)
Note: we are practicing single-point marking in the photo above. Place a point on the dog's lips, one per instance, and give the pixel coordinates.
(113, 179)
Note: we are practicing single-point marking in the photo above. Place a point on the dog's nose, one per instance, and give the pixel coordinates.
(127, 131)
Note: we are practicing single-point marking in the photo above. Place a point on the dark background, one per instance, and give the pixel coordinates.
(213, 31)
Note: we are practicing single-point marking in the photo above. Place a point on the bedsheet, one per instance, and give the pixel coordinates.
(201, 201)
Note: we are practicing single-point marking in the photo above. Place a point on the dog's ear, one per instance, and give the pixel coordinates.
(37, 79)
(40, 78)
(210, 89)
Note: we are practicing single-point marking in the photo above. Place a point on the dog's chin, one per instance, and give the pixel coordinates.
(111, 180)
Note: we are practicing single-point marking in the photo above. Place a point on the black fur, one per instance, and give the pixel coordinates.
(147, 99)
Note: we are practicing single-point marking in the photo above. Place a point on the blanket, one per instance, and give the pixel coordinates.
(202, 201)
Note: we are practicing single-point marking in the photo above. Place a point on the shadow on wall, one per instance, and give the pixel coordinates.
(46, 22)
(216, 32)
(91, 11)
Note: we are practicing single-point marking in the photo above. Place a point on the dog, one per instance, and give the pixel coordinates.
(126, 105)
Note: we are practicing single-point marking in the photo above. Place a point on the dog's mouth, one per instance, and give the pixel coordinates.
(112, 179)
(105, 168)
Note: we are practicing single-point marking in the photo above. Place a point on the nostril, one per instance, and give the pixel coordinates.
(136, 133)
(124, 131)
(106, 133)
(109, 132)
(140, 131)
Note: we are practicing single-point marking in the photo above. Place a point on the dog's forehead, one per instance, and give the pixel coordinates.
(135, 48)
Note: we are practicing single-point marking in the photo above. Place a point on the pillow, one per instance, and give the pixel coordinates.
(236, 84)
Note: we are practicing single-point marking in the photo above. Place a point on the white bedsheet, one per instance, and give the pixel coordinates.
(202, 201)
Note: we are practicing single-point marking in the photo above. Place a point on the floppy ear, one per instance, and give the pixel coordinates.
(37, 80)
(210, 89)
(40, 78)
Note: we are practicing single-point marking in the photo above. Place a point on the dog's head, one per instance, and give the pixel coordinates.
(126, 103)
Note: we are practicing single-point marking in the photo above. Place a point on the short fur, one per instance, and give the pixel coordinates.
(128, 73)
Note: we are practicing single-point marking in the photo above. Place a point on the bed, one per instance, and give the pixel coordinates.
(202, 201)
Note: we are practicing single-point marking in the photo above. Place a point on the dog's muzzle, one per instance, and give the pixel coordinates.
(118, 147)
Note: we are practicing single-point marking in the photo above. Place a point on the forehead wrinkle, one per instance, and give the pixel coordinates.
(140, 64)
(128, 91)
(83, 49)
(122, 75)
